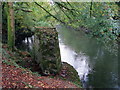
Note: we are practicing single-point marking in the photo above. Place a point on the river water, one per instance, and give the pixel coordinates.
(96, 67)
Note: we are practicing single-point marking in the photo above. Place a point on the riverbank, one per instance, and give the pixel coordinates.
(70, 74)
(20, 71)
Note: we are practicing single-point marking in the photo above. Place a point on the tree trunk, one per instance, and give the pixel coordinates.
(11, 27)
(0, 22)
(91, 5)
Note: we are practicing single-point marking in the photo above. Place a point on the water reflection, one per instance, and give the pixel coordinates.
(26, 44)
(95, 65)
(78, 61)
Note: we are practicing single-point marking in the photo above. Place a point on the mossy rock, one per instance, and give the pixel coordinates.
(47, 52)
(70, 74)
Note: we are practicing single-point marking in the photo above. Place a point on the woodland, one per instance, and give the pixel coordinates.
(98, 20)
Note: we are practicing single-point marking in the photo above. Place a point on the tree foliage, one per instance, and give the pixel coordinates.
(100, 19)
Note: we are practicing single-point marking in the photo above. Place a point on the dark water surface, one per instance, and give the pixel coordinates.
(96, 67)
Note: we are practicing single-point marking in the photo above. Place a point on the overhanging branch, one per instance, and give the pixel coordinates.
(49, 13)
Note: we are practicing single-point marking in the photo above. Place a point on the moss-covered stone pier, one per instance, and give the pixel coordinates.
(46, 50)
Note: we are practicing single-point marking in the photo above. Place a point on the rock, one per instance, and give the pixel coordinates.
(46, 50)
(70, 74)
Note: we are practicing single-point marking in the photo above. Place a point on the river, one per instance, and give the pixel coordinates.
(96, 67)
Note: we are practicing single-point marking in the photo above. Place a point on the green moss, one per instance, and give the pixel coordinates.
(46, 49)
(71, 74)
(10, 28)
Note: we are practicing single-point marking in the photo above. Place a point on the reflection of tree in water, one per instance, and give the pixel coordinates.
(101, 62)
